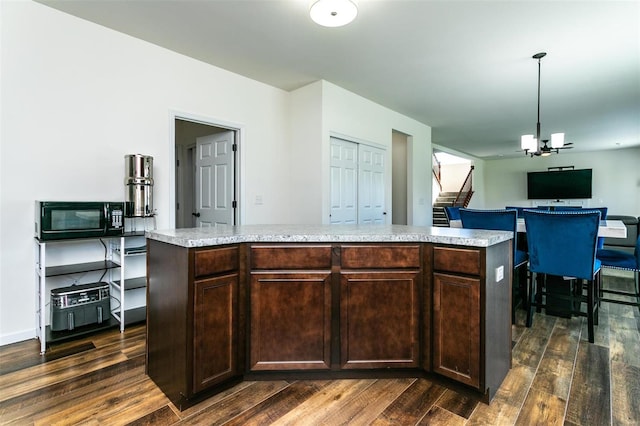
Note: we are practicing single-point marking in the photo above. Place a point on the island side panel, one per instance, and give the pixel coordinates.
(497, 314)
(168, 333)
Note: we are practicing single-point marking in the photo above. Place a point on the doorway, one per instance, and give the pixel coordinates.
(206, 178)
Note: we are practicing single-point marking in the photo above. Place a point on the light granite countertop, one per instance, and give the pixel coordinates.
(225, 234)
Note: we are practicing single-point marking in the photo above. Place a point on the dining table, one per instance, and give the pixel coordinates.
(607, 228)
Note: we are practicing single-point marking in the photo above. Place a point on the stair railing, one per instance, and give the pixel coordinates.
(436, 169)
(467, 189)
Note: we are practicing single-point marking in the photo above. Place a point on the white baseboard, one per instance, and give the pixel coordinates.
(7, 339)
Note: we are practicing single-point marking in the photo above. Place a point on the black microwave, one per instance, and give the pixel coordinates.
(60, 220)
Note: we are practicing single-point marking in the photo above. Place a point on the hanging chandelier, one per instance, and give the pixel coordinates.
(530, 144)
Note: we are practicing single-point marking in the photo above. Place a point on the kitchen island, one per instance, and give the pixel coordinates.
(226, 304)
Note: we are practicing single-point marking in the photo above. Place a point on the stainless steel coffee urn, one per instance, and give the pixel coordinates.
(139, 185)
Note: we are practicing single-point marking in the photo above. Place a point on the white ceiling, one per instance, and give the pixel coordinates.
(462, 67)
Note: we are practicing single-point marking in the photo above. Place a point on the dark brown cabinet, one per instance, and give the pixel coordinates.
(471, 339)
(218, 314)
(194, 339)
(214, 331)
(456, 328)
(380, 306)
(290, 320)
(379, 315)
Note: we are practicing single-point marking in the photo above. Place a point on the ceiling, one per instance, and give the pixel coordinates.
(462, 67)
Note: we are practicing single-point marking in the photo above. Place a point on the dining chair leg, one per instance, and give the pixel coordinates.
(531, 294)
(541, 284)
(596, 294)
(519, 291)
(600, 291)
(637, 287)
(590, 310)
(525, 287)
(514, 284)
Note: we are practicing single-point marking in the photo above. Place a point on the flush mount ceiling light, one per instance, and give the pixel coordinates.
(530, 144)
(333, 13)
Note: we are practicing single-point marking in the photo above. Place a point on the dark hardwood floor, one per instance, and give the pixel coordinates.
(557, 378)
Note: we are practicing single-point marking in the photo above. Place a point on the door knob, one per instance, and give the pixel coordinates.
(195, 214)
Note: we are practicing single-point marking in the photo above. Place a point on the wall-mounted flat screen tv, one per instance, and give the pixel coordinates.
(559, 185)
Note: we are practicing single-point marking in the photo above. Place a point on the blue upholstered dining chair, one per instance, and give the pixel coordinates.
(564, 244)
(617, 259)
(502, 220)
(603, 216)
(453, 213)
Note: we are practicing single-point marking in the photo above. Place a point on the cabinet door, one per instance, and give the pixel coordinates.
(379, 319)
(215, 337)
(456, 328)
(290, 320)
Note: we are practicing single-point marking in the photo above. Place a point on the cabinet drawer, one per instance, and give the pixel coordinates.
(464, 261)
(290, 257)
(216, 261)
(380, 256)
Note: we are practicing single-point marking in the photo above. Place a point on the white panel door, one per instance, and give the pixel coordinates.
(371, 185)
(344, 182)
(214, 179)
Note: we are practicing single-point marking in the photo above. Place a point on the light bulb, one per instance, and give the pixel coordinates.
(528, 142)
(557, 140)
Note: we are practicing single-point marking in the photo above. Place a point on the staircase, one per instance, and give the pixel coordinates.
(448, 199)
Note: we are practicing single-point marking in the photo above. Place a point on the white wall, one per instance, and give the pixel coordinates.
(453, 176)
(399, 178)
(306, 147)
(77, 97)
(360, 119)
(616, 178)
(354, 118)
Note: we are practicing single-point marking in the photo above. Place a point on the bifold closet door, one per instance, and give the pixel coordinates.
(357, 183)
